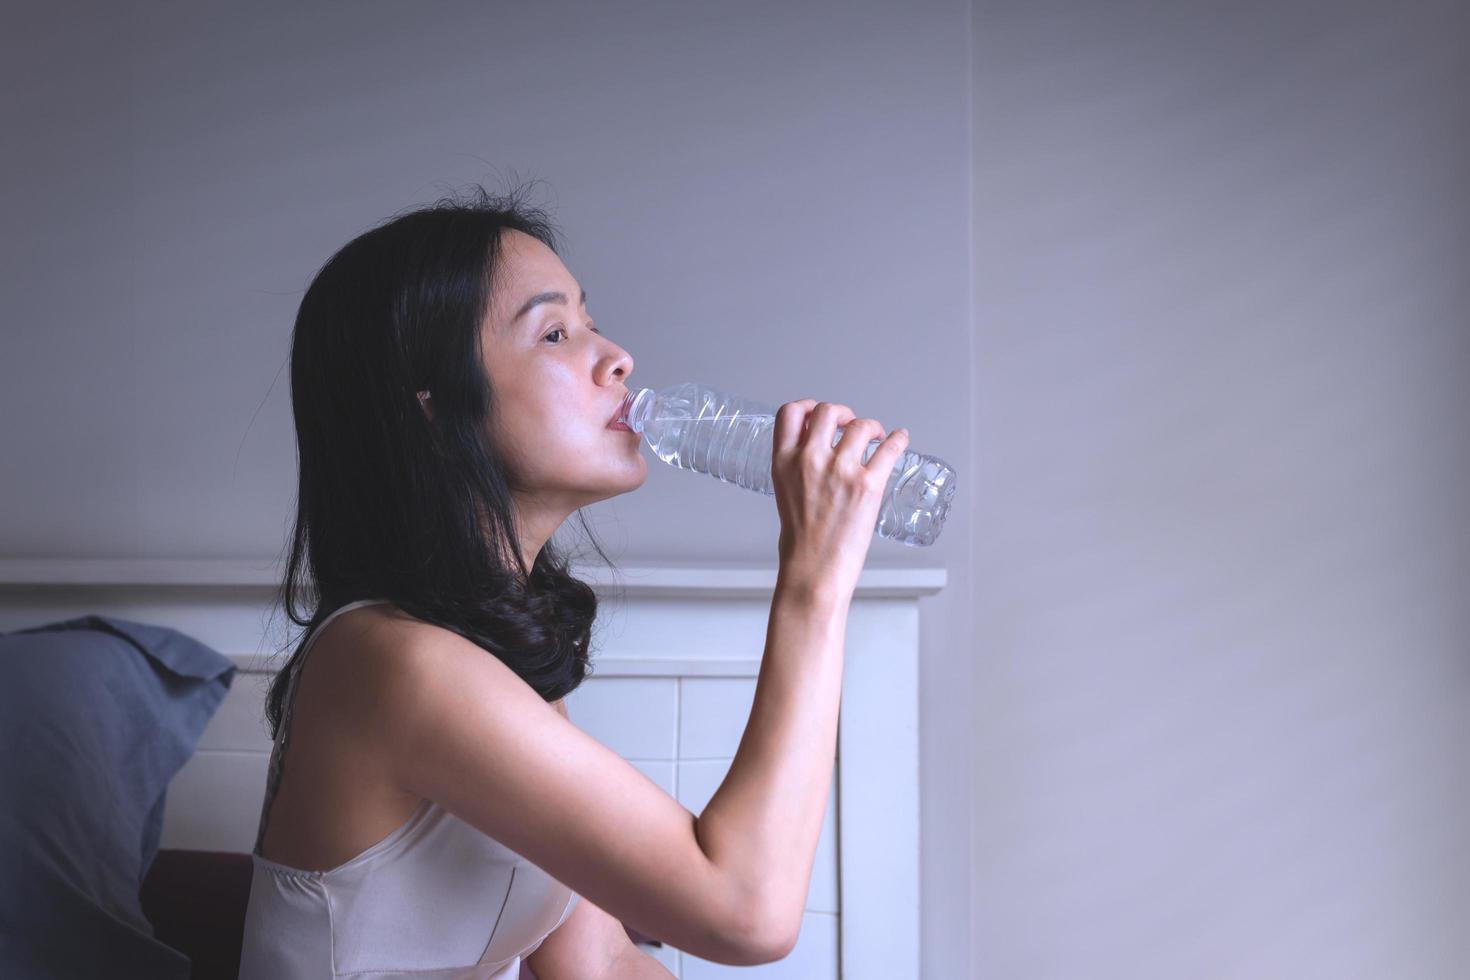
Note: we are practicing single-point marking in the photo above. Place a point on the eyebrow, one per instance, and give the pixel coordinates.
(540, 298)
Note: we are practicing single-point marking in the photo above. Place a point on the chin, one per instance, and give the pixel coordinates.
(629, 479)
(642, 477)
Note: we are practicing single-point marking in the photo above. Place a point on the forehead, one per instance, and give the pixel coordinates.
(524, 264)
(524, 267)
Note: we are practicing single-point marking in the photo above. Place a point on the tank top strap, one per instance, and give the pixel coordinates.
(283, 732)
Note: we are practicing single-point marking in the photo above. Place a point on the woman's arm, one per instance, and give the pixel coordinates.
(455, 725)
(764, 820)
(635, 964)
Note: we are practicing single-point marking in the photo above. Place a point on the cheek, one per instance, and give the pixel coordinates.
(542, 423)
(543, 441)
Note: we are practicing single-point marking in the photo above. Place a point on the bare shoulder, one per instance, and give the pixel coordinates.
(384, 620)
(394, 659)
(381, 635)
(360, 655)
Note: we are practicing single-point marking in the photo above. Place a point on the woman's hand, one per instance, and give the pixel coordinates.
(827, 497)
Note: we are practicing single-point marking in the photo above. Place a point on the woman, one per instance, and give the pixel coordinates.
(431, 811)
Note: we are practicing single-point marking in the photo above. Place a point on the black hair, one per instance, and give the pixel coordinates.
(392, 504)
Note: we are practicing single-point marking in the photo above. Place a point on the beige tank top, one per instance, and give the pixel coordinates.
(436, 899)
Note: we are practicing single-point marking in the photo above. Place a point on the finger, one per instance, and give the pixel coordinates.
(856, 436)
(886, 456)
(790, 421)
(823, 424)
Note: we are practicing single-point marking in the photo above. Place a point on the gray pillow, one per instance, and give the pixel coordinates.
(97, 714)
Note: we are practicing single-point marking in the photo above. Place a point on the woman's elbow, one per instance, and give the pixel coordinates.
(768, 938)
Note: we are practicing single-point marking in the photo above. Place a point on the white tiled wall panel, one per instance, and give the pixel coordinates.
(633, 716)
(719, 629)
(712, 715)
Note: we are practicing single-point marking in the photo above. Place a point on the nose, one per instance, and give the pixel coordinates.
(622, 365)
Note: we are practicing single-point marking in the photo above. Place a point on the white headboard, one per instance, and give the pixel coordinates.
(676, 651)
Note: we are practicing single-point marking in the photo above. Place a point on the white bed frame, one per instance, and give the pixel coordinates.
(676, 650)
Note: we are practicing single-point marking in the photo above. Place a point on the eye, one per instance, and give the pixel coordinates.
(564, 330)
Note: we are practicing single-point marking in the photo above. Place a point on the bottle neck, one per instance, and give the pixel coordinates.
(640, 408)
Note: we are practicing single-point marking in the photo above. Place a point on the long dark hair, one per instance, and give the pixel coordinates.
(395, 506)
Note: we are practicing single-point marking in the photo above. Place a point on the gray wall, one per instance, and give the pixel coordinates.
(767, 197)
(1221, 380)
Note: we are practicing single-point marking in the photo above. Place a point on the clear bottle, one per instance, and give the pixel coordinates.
(694, 427)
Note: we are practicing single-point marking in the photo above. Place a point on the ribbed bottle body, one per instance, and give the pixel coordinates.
(695, 427)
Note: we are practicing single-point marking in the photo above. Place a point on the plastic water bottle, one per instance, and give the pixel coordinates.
(694, 427)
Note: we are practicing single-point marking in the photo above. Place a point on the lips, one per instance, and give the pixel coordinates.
(618, 414)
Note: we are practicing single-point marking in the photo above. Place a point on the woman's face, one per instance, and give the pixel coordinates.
(556, 382)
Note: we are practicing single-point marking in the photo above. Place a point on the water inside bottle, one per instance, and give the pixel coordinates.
(745, 431)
